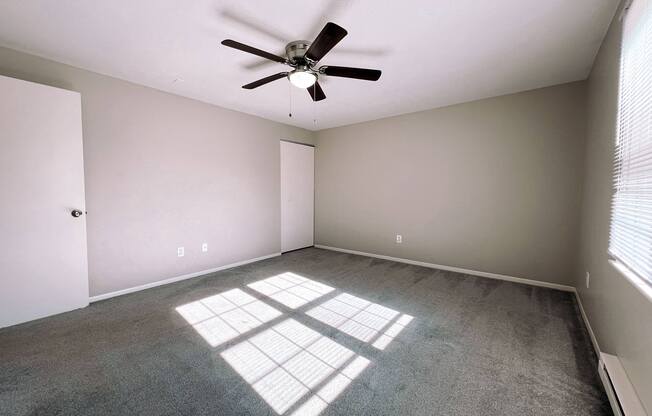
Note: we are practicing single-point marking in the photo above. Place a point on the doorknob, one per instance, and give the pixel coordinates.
(76, 213)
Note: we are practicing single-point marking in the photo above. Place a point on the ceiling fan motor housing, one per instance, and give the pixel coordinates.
(295, 51)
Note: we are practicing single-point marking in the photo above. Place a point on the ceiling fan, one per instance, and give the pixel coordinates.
(303, 56)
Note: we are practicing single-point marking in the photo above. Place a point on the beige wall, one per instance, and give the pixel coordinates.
(620, 316)
(492, 185)
(164, 171)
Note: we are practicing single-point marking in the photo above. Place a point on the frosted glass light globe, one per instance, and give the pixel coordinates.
(302, 79)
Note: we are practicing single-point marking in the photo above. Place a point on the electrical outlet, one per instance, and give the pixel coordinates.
(181, 252)
(588, 279)
(399, 239)
(204, 247)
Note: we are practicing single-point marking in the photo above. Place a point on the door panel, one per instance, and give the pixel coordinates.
(297, 196)
(43, 261)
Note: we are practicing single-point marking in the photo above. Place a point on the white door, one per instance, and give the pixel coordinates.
(297, 195)
(43, 264)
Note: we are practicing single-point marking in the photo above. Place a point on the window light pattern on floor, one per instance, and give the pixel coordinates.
(294, 368)
(290, 362)
(222, 317)
(290, 289)
(361, 319)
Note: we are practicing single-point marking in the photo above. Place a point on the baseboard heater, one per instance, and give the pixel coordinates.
(620, 391)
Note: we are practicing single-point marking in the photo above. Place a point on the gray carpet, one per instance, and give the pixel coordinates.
(374, 338)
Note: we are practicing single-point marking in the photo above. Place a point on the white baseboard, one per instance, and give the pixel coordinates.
(585, 318)
(455, 269)
(178, 278)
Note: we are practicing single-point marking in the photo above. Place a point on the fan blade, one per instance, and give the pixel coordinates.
(246, 48)
(316, 92)
(329, 36)
(265, 80)
(347, 72)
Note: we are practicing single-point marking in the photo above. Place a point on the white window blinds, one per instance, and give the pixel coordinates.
(631, 219)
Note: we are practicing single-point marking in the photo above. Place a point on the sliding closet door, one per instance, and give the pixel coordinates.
(297, 195)
(43, 265)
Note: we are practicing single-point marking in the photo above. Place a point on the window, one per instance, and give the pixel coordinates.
(630, 241)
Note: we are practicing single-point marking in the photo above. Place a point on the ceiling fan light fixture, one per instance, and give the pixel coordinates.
(302, 56)
(302, 79)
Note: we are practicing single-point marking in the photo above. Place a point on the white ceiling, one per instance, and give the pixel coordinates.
(432, 53)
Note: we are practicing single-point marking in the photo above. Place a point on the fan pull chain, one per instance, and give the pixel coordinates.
(290, 92)
(314, 105)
